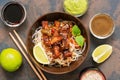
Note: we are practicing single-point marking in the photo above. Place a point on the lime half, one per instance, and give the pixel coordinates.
(101, 53)
(40, 55)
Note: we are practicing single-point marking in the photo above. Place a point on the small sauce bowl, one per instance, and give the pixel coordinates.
(76, 8)
(13, 14)
(101, 26)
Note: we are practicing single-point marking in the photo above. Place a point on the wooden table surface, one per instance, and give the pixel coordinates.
(36, 8)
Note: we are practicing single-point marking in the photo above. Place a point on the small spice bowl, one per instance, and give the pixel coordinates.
(91, 73)
(13, 14)
(101, 26)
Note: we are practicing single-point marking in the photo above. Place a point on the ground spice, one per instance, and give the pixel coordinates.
(102, 25)
(92, 75)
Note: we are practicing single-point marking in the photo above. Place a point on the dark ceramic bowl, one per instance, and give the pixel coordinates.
(52, 17)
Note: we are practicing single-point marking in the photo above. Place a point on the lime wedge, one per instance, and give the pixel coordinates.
(40, 55)
(101, 53)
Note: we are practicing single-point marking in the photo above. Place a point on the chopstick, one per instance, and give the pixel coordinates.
(41, 77)
(23, 45)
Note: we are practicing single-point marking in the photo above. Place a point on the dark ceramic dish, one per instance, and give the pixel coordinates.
(52, 17)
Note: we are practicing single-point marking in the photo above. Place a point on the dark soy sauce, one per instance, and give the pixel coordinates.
(13, 13)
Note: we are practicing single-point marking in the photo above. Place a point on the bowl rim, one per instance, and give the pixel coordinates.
(88, 43)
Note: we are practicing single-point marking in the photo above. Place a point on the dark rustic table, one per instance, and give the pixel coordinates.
(36, 8)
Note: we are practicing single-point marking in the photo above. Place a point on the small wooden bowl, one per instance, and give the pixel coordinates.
(52, 17)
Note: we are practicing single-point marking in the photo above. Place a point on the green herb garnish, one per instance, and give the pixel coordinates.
(75, 30)
(80, 40)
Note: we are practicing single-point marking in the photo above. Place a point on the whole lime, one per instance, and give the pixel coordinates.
(10, 59)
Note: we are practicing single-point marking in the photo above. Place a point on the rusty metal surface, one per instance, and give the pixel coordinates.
(36, 8)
